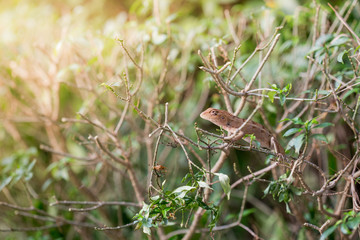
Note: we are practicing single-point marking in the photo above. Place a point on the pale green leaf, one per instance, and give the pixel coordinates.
(296, 143)
(203, 184)
(225, 183)
(292, 131)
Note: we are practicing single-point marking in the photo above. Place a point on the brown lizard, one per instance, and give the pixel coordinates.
(231, 123)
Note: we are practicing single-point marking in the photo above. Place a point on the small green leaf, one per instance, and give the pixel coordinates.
(354, 222)
(282, 98)
(31, 165)
(356, 49)
(323, 39)
(183, 189)
(288, 210)
(188, 175)
(283, 196)
(328, 232)
(203, 184)
(5, 182)
(324, 92)
(158, 38)
(225, 183)
(253, 140)
(292, 131)
(348, 93)
(296, 142)
(247, 212)
(214, 220)
(323, 125)
(145, 211)
(273, 86)
(108, 87)
(271, 95)
(287, 88)
(344, 228)
(154, 198)
(339, 41)
(315, 49)
(294, 120)
(341, 56)
(267, 189)
(98, 167)
(147, 222)
(320, 137)
(313, 121)
(147, 230)
(295, 190)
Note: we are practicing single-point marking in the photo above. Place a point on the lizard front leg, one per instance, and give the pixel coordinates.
(235, 138)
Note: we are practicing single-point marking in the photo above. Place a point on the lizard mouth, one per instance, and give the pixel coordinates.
(202, 115)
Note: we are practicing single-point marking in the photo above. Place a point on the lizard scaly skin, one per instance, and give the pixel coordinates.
(231, 123)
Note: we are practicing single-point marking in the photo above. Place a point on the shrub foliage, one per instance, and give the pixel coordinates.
(100, 126)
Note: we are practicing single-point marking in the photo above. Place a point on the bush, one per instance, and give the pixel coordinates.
(101, 132)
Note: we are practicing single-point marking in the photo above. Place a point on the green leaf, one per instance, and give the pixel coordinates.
(108, 87)
(315, 49)
(248, 212)
(295, 190)
(253, 140)
(283, 196)
(147, 230)
(98, 167)
(287, 88)
(324, 92)
(282, 98)
(344, 228)
(323, 125)
(147, 222)
(203, 184)
(225, 183)
(267, 189)
(328, 232)
(214, 220)
(323, 39)
(294, 120)
(354, 222)
(313, 121)
(183, 188)
(292, 131)
(341, 56)
(154, 198)
(296, 142)
(288, 210)
(339, 41)
(188, 175)
(271, 95)
(145, 211)
(320, 137)
(348, 93)
(202, 204)
(31, 165)
(158, 38)
(5, 182)
(356, 49)
(273, 86)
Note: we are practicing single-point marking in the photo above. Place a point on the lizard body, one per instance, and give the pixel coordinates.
(231, 123)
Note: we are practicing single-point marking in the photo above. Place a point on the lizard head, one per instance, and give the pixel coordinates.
(215, 116)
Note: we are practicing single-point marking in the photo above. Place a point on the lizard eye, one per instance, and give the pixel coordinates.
(213, 112)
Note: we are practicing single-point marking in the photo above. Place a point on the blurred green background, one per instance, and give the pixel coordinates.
(55, 56)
